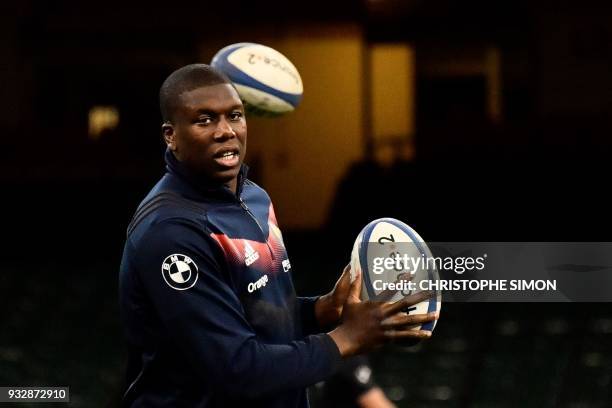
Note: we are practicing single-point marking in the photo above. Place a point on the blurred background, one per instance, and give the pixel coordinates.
(470, 121)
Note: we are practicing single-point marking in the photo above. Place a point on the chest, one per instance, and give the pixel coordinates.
(258, 266)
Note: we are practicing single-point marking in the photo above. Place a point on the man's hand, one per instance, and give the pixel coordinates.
(328, 308)
(370, 324)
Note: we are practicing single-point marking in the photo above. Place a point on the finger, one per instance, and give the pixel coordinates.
(407, 334)
(390, 309)
(403, 320)
(387, 294)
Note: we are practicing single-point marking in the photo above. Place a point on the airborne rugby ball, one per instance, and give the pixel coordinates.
(392, 259)
(266, 80)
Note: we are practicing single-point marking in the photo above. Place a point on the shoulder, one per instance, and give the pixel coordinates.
(158, 244)
(168, 223)
(166, 200)
(166, 210)
(168, 233)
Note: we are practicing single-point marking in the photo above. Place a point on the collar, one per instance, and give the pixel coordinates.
(201, 184)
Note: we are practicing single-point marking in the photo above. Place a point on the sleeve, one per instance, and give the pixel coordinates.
(310, 325)
(204, 316)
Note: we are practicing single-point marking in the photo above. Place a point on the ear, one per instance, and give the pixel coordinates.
(169, 135)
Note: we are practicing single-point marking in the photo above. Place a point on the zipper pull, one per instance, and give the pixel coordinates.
(248, 211)
(243, 205)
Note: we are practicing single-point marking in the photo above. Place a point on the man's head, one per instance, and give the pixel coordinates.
(204, 122)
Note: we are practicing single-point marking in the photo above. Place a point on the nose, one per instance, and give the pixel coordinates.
(224, 129)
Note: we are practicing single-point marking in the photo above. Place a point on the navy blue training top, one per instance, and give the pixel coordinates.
(207, 302)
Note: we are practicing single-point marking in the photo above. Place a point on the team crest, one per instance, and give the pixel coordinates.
(179, 271)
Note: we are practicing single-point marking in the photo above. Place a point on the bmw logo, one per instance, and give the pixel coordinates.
(179, 271)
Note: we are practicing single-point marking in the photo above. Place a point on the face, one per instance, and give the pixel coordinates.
(208, 133)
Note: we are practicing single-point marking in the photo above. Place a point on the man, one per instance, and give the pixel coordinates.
(206, 296)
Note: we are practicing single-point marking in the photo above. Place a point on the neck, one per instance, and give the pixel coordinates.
(175, 166)
(232, 185)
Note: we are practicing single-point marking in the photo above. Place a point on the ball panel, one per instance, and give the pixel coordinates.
(225, 51)
(355, 264)
(364, 264)
(365, 249)
(263, 100)
(267, 66)
(262, 76)
(239, 77)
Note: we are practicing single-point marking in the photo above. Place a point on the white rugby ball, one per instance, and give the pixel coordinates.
(266, 80)
(388, 238)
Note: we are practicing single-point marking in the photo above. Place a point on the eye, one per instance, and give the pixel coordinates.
(204, 120)
(236, 115)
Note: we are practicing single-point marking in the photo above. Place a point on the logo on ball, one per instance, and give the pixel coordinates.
(179, 271)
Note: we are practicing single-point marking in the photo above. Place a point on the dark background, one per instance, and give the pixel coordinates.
(540, 174)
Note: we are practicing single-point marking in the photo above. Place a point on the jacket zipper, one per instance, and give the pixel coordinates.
(248, 211)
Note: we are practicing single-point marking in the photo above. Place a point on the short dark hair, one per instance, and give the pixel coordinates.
(185, 79)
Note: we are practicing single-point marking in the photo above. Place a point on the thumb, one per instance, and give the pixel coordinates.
(341, 289)
(344, 283)
(355, 289)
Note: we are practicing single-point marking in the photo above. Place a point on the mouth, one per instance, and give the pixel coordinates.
(227, 157)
